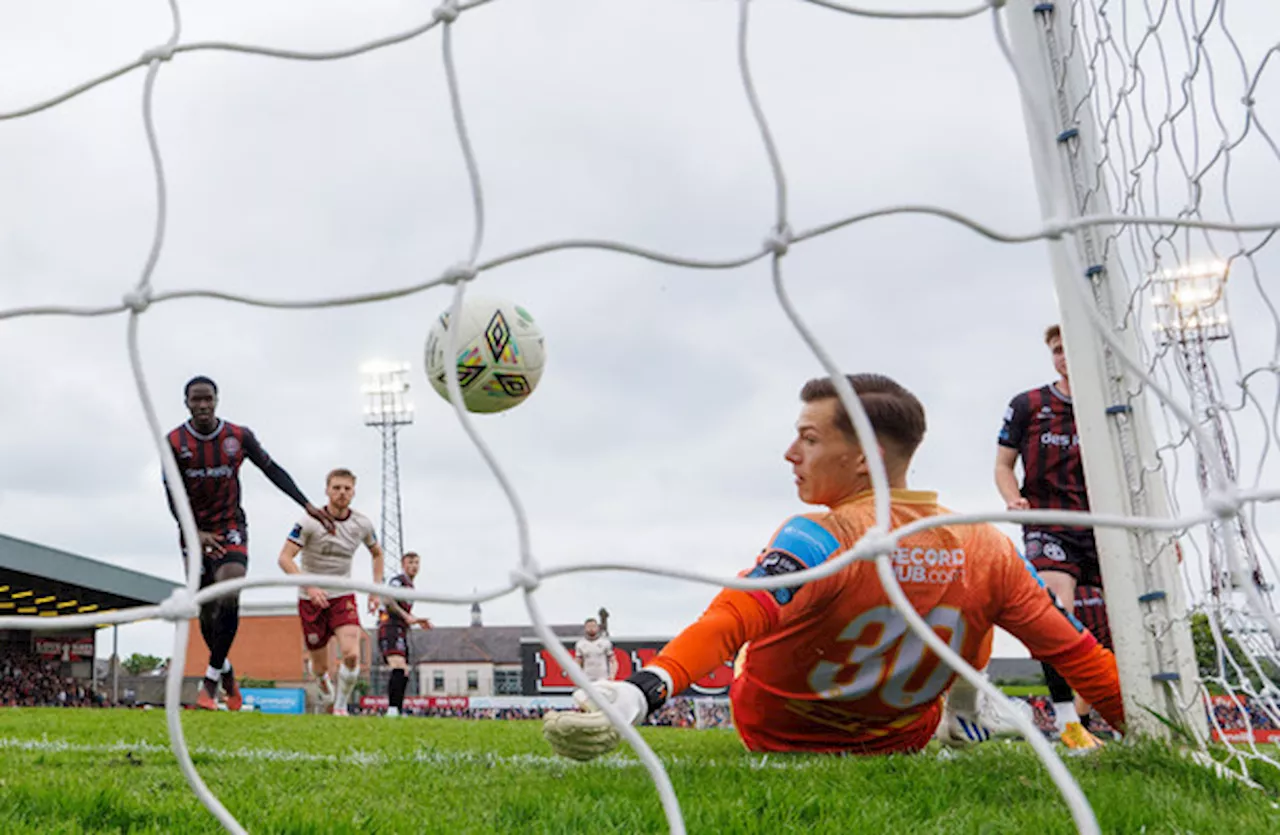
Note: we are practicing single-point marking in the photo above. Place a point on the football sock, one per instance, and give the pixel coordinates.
(395, 690)
(211, 676)
(347, 678)
(1065, 713)
(963, 698)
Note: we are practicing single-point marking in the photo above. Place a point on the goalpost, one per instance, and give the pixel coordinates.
(1144, 316)
(1142, 282)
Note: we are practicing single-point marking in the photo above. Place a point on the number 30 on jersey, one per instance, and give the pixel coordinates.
(888, 656)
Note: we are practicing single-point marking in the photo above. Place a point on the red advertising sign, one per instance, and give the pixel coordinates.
(65, 647)
(543, 674)
(1240, 721)
(418, 702)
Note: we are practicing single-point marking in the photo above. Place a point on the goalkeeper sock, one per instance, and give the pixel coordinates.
(1065, 713)
(395, 690)
(963, 698)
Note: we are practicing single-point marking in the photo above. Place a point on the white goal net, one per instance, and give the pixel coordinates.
(1163, 108)
(1163, 111)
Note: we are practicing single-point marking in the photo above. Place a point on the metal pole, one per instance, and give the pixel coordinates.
(1144, 595)
(115, 663)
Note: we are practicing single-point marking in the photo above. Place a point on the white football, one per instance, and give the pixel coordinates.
(500, 354)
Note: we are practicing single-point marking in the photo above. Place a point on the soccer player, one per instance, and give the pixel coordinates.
(209, 452)
(332, 614)
(594, 653)
(1040, 428)
(394, 622)
(830, 665)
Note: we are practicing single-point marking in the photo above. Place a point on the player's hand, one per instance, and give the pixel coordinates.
(317, 597)
(587, 733)
(211, 544)
(322, 516)
(425, 623)
(374, 603)
(1019, 503)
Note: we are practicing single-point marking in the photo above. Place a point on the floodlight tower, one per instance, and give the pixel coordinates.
(1191, 313)
(387, 407)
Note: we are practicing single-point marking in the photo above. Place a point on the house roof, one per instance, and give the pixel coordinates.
(495, 644)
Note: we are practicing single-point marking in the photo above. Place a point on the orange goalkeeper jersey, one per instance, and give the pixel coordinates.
(831, 665)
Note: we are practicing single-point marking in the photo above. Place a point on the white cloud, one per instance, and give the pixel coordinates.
(658, 429)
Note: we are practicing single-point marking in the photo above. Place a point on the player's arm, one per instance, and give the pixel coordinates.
(733, 618)
(295, 542)
(375, 551)
(1031, 613)
(1008, 443)
(396, 611)
(282, 480)
(613, 661)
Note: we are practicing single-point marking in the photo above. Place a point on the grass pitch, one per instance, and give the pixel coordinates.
(80, 771)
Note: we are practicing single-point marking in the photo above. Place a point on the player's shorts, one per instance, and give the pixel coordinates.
(1073, 552)
(235, 545)
(319, 624)
(393, 639)
(1091, 610)
(767, 722)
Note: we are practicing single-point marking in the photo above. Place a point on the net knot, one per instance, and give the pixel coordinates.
(874, 543)
(526, 576)
(779, 240)
(1248, 101)
(179, 606)
(1224, 503)
(138, 300)
(446, 11)
(997, 4)
(459, 272)
(1054, 228)
(164, 52)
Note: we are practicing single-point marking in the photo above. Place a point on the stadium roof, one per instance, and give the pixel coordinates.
(38, 580)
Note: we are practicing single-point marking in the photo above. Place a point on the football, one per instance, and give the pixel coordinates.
(500, 354)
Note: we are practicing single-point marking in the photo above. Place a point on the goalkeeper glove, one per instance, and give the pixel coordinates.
(587, 733)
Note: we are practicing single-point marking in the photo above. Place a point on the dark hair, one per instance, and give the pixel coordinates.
(896, 415)
(408, 554)
(591, 620)
(195, 381)
(340, 472)
(1052, 332)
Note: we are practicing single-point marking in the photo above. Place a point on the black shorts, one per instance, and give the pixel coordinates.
(235, 544)
(1072, 552)
(393, 639)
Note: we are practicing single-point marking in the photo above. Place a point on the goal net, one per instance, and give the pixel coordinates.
(1149, 130)
(1163, 111)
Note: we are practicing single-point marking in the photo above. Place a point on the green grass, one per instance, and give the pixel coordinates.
(110, 771)
(1024, 689)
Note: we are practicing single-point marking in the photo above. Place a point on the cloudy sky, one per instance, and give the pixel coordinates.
(658, 430)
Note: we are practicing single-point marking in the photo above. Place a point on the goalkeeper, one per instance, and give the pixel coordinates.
(831, 666)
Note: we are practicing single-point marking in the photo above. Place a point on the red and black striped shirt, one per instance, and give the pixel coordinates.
(1041, 425)
(210, 466)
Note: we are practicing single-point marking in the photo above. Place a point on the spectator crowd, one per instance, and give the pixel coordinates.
(28, 681)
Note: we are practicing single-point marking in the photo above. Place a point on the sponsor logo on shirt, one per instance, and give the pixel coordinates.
(223, 471)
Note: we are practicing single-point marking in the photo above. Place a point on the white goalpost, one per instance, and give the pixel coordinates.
(1137, 121)
(1134, 113)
